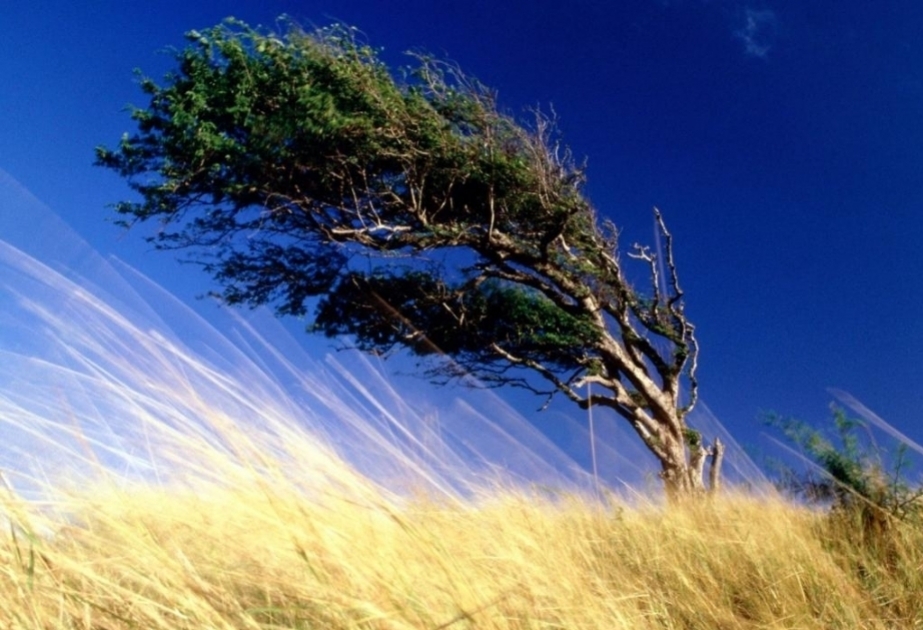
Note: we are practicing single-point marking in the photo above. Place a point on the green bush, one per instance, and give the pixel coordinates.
(851, 475)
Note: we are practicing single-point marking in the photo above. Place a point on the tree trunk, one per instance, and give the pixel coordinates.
(682, 470)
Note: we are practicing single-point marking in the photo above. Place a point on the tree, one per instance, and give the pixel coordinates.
(410, 213)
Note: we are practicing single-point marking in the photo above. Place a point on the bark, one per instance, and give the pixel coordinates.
(682, 470)
(714, 475)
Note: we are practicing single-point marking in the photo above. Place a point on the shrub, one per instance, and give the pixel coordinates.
(851, 474)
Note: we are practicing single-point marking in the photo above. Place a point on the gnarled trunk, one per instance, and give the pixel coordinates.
(683, 466)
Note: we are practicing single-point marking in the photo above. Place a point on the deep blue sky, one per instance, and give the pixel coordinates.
(782, 139)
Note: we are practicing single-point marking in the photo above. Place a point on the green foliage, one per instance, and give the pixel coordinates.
(693, 438)
(268, 154)
(463, 320)
(853, 476)
(250, 121)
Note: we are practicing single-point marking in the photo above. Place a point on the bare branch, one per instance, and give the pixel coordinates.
(543, 371)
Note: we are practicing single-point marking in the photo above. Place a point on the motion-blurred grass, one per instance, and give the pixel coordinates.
(253, 544)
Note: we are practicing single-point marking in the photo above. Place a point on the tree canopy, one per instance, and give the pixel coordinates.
(409, 212)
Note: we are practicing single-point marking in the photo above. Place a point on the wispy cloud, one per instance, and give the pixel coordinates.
(758, 31)
(755, 27)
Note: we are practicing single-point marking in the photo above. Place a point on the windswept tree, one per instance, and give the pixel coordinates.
(410, 213)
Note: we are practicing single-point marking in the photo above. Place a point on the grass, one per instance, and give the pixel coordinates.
(253, 545)
(167, 491)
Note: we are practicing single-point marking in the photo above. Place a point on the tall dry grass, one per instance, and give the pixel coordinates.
(155, 488)
(254, 545)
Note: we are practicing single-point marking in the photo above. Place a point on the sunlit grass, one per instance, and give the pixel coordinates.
(150, 485)
(252, 545)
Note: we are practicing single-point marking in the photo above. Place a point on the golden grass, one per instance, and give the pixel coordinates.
(220, 523)
(263, 553)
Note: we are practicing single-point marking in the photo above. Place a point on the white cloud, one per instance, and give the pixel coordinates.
(756, 28)
(757, 31)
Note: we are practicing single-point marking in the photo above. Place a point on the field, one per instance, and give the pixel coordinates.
(257, 543)
(218, 482)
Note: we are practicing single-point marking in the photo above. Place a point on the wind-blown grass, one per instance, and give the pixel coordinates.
(256, 552)
(161, 480)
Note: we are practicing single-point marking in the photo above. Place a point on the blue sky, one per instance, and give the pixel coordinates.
(783, 141)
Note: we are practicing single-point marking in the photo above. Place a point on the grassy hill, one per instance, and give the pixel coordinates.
(256, 543)
(153, 486)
